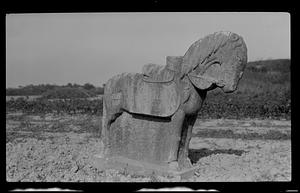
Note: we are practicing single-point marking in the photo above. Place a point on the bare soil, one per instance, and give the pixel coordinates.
(53, 148)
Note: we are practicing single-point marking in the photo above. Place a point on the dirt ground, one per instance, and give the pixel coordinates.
(62, 148)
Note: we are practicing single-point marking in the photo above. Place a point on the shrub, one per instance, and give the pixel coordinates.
(42, 106)
(67, 93)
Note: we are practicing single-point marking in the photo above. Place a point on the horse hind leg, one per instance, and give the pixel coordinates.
(104, 121)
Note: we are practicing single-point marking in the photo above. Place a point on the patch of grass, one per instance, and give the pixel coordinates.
(269, 135)
(89, 125)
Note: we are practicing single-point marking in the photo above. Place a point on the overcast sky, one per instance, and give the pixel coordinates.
(92, 47)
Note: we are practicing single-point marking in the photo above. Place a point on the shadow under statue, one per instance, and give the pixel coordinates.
(148, 117)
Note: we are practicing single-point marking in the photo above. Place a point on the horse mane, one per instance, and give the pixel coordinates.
(203, 48)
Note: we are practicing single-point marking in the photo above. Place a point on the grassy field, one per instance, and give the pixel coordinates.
(263, 92)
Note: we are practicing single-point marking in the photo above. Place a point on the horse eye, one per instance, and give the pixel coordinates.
(217, 62)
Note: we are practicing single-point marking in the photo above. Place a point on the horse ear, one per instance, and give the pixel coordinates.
(201, 82)
(211, 75)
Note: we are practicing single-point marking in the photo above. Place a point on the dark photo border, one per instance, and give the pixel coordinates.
(159, 6)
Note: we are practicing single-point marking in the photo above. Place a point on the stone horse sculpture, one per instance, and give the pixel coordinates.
(148, 117)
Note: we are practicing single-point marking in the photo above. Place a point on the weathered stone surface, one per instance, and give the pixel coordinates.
(133, 94)
(150, 137)
(163, 74)
(149, 116)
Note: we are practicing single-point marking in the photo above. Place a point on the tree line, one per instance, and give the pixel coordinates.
(43, 88)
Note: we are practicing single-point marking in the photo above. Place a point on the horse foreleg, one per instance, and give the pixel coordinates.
(183, 160)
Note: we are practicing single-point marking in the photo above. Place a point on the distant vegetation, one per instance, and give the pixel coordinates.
(263, 92)
(71, 99)
(51, 91)
(68, 93)
(44, 106)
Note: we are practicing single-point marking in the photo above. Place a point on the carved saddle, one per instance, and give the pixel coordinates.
(154, 92)
(154, 73)
(155, 99)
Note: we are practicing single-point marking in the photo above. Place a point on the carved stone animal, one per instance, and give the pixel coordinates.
(149, 116)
